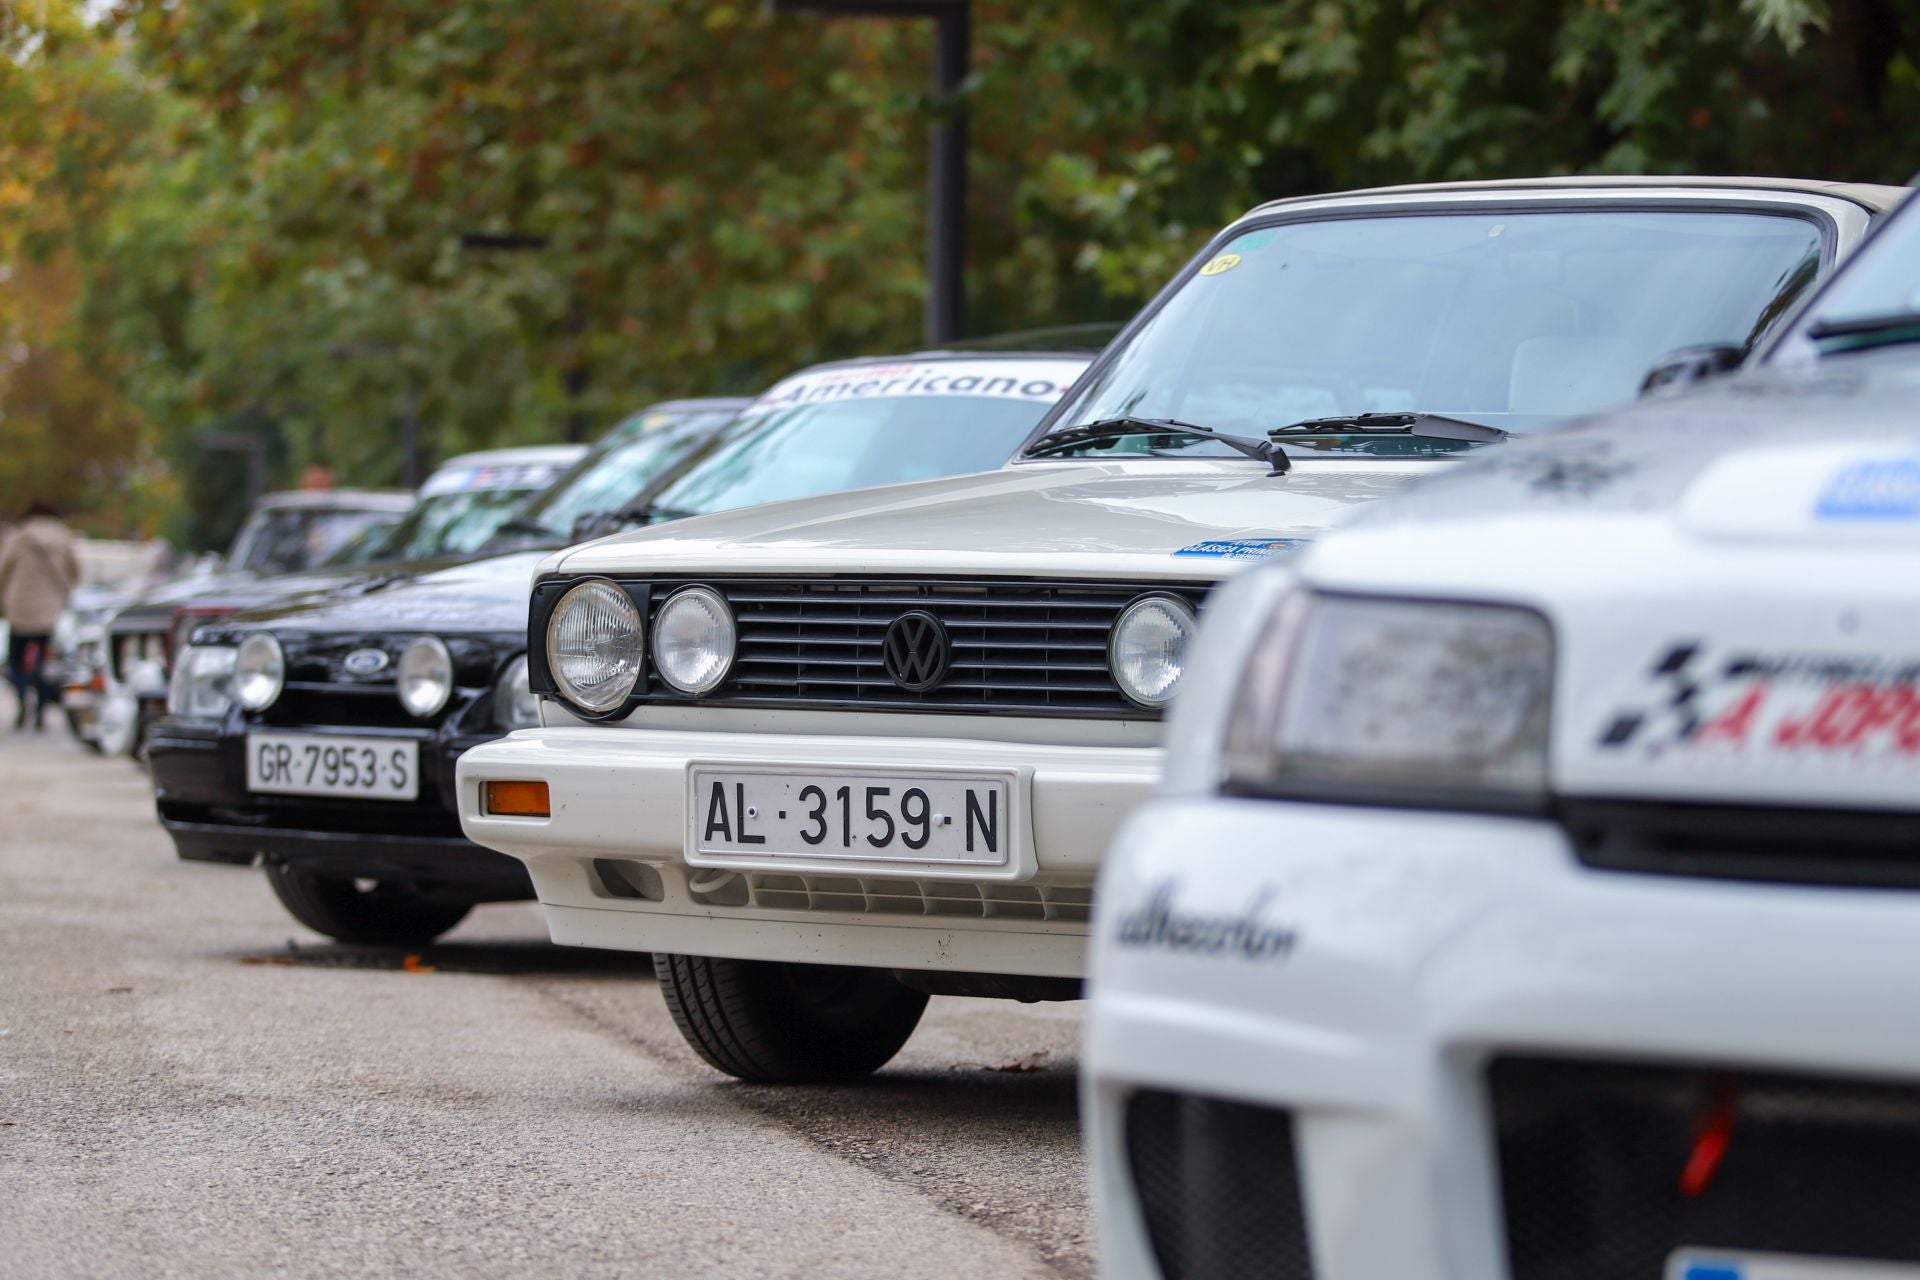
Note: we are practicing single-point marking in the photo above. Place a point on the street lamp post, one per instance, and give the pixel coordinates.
(946, 147)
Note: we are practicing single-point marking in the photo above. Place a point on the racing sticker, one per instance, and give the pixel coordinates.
(1160, 924)
(1039, 381)
(1221, 265)
(523, 476)
(1872, 489)
(1242, 548)
(1788, 705)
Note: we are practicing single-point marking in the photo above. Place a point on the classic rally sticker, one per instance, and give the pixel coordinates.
(1221, 265)
(529, 476)
(1809, 706)
(1242, 548)
(1873, 489)
(1040, 381)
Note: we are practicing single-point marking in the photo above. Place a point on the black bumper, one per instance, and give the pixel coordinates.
(200, 787)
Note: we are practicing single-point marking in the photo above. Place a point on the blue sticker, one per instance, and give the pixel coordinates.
(1242, 548)
(1882, 489)
(1715, 1270)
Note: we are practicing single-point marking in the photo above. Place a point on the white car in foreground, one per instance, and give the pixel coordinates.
(1536, 892)
(827, 757)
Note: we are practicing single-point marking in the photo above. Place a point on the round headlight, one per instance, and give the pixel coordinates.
(693, 640)
(1148, 652)
(425, 676)
(259, 672)
(595, 645)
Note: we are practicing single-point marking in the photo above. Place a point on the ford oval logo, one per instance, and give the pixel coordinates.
(365, 662)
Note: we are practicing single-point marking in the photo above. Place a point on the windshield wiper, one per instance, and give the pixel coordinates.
(1426, 426)
(1122, 427)
(1884, 329)
(519, 524)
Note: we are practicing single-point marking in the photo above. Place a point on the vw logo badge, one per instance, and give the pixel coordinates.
(365, 662)
(916, 651)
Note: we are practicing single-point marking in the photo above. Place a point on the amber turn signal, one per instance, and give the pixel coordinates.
(518, 800)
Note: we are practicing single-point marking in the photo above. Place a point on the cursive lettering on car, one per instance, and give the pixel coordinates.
(1159, 923)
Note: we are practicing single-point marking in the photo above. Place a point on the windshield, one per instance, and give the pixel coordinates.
(1881, 281)
(1512, 319)
(443, 525)
(852, 428)
(623, 463)
(292, 539)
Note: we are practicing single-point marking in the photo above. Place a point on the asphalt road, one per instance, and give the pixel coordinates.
(191, 1085)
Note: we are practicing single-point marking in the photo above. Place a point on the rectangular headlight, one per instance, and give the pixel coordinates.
(1354, 696)
(198, 689)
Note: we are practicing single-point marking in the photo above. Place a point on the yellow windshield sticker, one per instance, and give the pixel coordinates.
(1224, 263)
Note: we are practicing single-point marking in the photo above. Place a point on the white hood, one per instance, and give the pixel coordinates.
(1153, 519)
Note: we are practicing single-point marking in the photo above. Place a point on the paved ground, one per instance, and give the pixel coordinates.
(190, 1085)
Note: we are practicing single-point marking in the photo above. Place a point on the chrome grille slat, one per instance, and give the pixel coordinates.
(1015, 647)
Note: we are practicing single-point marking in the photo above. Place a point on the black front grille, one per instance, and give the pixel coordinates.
(1747, 842)
(1218, 1188)
(348, 706)
(1606, 1169)
(1028, 647)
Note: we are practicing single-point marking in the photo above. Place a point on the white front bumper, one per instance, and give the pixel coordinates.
(610, 867)
(1423, 945)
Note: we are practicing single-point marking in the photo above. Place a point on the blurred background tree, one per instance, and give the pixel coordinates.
(501, 222)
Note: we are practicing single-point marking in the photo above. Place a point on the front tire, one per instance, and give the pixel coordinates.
(770, 1023)
(384, 915)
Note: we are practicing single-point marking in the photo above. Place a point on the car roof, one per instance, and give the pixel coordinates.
(338, 499)
(1874, 197)
(529, 455)
(694, 404)
(855, 362)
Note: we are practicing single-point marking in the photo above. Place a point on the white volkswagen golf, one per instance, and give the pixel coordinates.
(827, 757)
(1536, 891)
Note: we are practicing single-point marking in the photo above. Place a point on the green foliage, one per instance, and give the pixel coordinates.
(512, 222)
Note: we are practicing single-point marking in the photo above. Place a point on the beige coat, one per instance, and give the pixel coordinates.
(38, 571)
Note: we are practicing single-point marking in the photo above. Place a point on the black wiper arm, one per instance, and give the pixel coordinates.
(1887, 327)
(519, 524)
(1122, 427)
(1432, 426)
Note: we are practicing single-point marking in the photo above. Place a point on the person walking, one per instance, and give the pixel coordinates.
(38, 571)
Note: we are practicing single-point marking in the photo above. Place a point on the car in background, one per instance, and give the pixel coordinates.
(462, 504)
(828, 757)
(1533, 893)
(285, 533)
(321, 738)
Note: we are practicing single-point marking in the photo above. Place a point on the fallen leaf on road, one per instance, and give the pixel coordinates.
(412, 965)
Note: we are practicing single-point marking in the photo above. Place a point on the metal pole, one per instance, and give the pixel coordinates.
(946, 309)
(947, 181)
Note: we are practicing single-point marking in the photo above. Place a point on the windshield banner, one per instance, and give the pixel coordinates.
(537, 475)
(1041, 381)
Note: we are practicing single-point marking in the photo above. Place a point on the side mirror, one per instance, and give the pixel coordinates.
(1678, 370)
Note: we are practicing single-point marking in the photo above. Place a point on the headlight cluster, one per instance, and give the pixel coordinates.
(1364, 695)
(259, 672)
(200, 683)
(514, 705)
(1148, 648)
(595, 645)
(424, 676)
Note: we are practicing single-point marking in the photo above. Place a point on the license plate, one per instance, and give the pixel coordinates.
(963, 819)
(1713, 1264)
(311, 764)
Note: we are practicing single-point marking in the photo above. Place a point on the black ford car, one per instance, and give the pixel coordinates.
(361, 842)
(319, 737)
